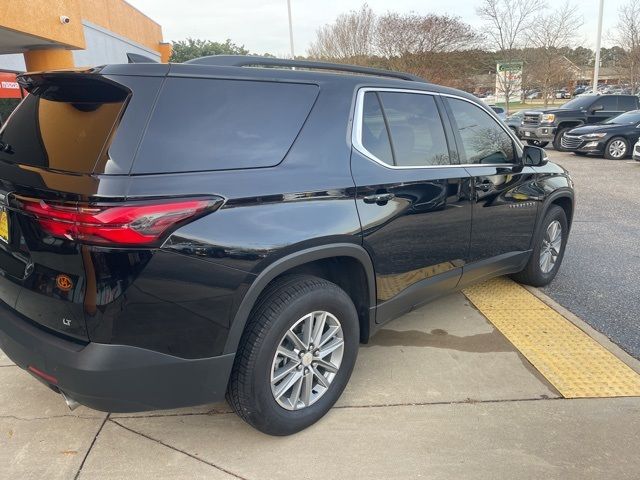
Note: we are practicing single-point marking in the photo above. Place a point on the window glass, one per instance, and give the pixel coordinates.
(580, 102)
(627, 103)
(607, 103)
(374, 132)
(415, 127)
(625, 118)
(63, 127)
(206, 124)
(7, 105)
(483, 139)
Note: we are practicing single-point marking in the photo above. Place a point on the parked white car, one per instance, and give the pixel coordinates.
(636, 151)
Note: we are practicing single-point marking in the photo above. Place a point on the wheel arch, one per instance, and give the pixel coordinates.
(324, 261)
(569, 124)
(565, 202)
(564, 198)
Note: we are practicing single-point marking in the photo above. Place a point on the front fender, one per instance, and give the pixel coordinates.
(555, 183)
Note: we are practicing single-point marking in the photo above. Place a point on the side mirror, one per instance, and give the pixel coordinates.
(597, 108)
(534, 156)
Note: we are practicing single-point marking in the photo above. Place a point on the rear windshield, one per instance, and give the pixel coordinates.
(63, 126)
(210, 124)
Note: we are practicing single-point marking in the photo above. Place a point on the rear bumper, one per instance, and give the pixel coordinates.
(115, 378)
(544, 133)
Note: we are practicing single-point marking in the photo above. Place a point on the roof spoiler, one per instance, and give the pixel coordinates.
(137, 58)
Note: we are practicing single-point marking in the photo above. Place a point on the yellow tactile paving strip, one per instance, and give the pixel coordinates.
(569, 359)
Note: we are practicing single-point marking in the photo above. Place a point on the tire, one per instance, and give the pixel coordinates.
(581, 154)
(537, 143)
(533, 273)
(556, 140)
(616, 149)
(283, 305)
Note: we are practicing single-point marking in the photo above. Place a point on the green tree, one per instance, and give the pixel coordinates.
(612, 57)
(190, 48)
(581, 56)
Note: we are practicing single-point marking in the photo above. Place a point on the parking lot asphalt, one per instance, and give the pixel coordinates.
(438, 393)
(600, 276)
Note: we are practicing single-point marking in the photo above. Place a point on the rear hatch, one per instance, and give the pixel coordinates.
(64, 158)
(76, 228)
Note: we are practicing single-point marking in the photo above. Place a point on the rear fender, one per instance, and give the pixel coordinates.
(289, 262)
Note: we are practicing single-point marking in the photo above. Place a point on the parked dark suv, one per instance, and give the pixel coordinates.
(169, 233)
(541, 127)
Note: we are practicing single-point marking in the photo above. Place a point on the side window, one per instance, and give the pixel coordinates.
(409, 133)
(205, 124)
(483, 139)
(375, 137)
(415, 127)
(627, 103)
(608, 104)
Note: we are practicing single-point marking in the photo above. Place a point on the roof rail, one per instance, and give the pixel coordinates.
(248, 60)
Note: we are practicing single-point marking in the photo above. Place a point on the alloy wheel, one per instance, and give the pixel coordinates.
(617, 149)
(307, 360)
(551, 244)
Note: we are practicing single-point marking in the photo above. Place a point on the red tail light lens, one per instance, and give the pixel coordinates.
(114, 224)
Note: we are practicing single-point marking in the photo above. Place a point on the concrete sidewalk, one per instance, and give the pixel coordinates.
(439, 393)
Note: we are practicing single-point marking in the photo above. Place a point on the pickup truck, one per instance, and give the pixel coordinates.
(544, 126)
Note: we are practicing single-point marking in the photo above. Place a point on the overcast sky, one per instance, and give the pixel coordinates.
(261, 26)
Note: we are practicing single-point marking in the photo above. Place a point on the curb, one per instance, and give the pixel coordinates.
(602, 339)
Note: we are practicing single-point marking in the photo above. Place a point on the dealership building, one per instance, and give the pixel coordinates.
(40, 35)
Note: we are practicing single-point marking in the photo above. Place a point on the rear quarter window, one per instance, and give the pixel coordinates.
(211, 124)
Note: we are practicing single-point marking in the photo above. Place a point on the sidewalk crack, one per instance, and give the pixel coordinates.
(468, 401)
(86, 455)
(211, 412)
(217, 467)
(28, 419)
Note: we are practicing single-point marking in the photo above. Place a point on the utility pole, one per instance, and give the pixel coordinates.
(596, 67)
(293, 55)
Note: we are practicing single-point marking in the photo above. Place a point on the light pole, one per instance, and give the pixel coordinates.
(596, 67)
(293, 55)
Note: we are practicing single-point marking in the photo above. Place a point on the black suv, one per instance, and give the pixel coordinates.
(544, 126)
(172, 233)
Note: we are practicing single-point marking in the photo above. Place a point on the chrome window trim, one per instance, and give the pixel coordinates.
(356, 130)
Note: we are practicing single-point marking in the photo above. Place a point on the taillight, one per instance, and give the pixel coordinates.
(114, 224)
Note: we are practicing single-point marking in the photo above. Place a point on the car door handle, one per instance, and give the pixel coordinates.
(379, 198)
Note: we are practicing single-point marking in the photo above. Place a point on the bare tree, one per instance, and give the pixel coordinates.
(628, 37)
(399, 34)
(350, 37)
(555, 30)
(441, 48)
(508, 25)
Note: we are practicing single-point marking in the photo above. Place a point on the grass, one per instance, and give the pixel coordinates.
(531, 104)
